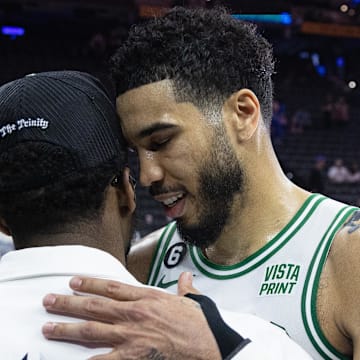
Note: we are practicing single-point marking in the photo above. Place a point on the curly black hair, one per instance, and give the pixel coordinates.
(69, 199)
(205, 52)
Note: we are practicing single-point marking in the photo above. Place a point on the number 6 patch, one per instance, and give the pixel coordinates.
(175, 254)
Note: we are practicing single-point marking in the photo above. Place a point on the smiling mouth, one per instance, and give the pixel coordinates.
(174, 204)
(170, 202)
(170, 199)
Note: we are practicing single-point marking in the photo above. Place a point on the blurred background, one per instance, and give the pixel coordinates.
(316, 122)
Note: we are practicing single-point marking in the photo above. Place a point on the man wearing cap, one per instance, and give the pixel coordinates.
(63, 183)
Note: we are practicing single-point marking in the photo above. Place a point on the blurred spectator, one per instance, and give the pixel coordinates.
(299, 121)
(338, 173)
(317, 176)
(341, 112)
(279, 122)
(97, 46)
(149, 219)
(327, 110)
(354, 172)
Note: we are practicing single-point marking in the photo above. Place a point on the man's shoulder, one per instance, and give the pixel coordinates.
(347, 239)
(344, 266)
(140, 257)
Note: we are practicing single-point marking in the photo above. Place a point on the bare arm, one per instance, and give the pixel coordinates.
(140, 257)
(343, 267)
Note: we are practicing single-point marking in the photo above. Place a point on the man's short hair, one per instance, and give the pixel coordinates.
(60, 147)
(207, 54)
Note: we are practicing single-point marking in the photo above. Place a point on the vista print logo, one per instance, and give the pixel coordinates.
(280, 279)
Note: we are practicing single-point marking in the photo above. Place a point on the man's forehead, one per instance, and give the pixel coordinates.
(151, 106)
(160, 92)
(147, 106)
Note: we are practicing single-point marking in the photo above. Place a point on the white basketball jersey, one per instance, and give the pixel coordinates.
(279, 282)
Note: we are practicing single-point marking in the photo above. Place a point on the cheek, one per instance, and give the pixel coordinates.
(178, 164)
(184, 156)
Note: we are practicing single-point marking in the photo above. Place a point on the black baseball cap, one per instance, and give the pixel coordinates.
(68, 109)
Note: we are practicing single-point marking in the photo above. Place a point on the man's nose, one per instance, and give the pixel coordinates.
(151, 170)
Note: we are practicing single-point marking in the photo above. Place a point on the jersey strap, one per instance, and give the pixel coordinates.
(254, 261)
(160, 252)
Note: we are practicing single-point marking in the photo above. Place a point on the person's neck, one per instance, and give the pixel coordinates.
(109, 231)
(94, 238)
(258, 214)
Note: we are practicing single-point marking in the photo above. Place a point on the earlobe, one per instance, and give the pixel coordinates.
(244, 108)
(129, 190)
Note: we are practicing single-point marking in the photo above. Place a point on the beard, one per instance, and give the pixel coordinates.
(220, 178)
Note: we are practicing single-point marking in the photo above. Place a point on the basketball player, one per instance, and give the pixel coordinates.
(67, 200)
(196, 106)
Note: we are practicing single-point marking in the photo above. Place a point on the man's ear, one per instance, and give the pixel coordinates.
(4, 228)
(243, 110)
(127, 198)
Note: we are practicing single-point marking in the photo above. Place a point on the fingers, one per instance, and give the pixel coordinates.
(185, 284)
(87, 307)
(110, 289)
(89, 332)
(114, 355)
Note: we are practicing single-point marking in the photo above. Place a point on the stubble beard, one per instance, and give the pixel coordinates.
(221, 177)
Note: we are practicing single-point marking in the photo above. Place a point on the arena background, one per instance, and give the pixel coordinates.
(316, 43)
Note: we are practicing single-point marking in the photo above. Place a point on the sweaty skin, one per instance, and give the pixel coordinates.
(177, 161)
(337, 306)
(267, 200)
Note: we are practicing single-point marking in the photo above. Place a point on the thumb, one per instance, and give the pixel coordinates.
(185, 285)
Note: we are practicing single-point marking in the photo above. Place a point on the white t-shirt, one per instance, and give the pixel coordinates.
(27, 275)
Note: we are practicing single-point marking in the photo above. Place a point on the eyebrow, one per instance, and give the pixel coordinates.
(154, 128)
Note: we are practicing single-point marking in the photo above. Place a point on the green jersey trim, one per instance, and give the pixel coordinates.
(308, 301)
(160, 252)
(223, 272)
